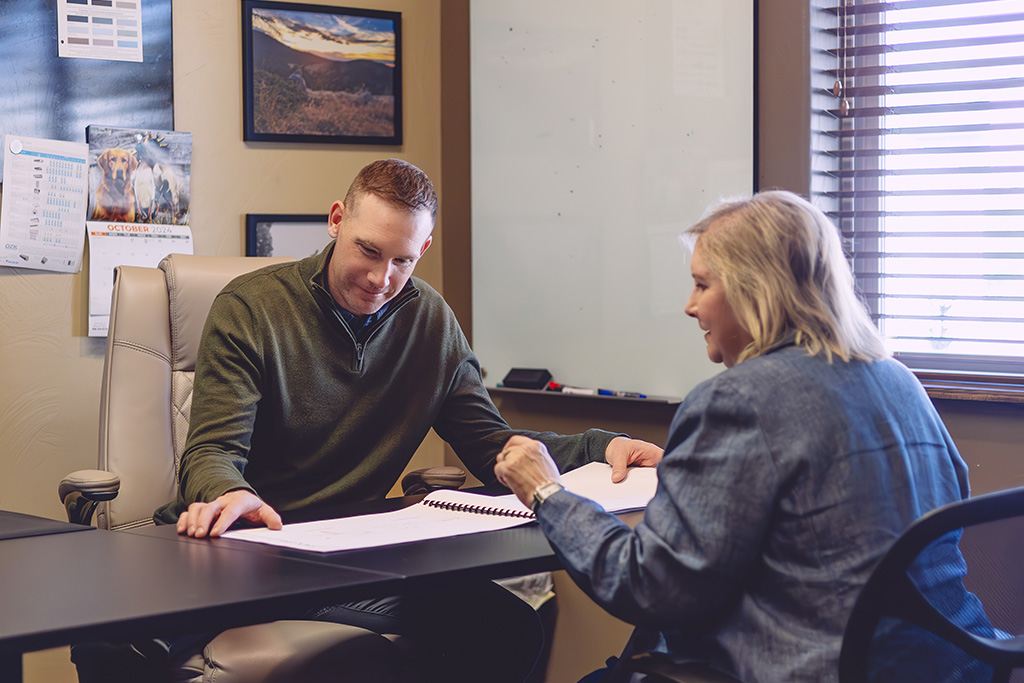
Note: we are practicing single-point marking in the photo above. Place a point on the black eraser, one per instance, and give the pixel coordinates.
(527, 378)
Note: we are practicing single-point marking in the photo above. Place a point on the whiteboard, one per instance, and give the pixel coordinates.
(600, 130)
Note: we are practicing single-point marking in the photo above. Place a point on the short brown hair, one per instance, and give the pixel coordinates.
(398, 183)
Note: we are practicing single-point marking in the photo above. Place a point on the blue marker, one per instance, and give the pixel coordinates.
(620, 394)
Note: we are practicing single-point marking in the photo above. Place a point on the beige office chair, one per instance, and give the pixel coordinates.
(156, 320)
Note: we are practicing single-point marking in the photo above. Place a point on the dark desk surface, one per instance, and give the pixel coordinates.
(19, 525)
(490, 555)
(60, 588)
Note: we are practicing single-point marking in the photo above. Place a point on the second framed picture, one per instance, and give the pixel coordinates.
(316, 73)
(278, 234)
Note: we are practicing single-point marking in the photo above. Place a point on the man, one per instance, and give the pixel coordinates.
(317, 380)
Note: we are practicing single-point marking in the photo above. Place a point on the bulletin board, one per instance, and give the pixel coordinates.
(53, 97)
(599, 132)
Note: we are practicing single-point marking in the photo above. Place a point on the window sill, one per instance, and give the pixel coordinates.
(962, 387)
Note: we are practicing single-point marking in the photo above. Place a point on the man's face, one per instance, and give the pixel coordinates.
(376, 249)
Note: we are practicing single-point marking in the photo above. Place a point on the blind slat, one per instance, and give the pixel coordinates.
(1003, 277)
(951, 65)
(943, 108)
(979, 255)
(947, 44)
(929, 88)
(944, 297)
(874, 131)
(923, 171)
(979, 235)
(903, 151)
(878, 29)
(850, 8)
(955, 192)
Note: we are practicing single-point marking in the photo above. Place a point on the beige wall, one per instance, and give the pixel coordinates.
(51, 370)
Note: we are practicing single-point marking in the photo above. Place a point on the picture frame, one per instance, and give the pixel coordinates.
(285, 234)
(321, 74)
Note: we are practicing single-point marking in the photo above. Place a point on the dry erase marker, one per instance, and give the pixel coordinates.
(621, 394)
(579, 391)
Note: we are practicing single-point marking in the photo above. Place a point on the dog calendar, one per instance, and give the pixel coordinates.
(138, 211)
(42, 217)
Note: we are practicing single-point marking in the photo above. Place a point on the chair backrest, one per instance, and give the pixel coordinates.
(156, 321)
(916, 615)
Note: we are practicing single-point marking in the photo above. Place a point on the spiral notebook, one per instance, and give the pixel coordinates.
(462, 501)
(453, 513)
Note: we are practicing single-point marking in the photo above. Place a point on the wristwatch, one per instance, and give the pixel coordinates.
(543, 492)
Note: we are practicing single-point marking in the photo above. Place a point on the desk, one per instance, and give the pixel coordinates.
(63, 588)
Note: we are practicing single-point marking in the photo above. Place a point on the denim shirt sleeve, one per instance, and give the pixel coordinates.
(701, 533)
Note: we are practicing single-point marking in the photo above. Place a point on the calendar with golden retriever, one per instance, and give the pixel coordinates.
(138, 209)
(139, 176)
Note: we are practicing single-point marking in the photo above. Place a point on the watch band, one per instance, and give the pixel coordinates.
(543, 492)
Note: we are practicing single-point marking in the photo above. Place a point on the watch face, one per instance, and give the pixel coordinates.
(543, 492)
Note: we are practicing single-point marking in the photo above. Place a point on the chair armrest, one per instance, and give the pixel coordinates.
(81, 491)
(431, 478)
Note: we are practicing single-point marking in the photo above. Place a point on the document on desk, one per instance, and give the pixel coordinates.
(453, 513)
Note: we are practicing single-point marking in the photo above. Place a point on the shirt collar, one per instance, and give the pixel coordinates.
(360, 327)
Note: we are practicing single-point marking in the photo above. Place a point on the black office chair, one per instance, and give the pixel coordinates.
(915, 634)
(898, 635)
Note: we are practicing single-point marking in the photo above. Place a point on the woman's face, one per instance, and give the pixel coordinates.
(724, 335)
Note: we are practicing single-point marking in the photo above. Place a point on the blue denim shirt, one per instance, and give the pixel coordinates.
(785, 479)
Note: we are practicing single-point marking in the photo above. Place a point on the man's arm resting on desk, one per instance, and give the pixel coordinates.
(215, 517)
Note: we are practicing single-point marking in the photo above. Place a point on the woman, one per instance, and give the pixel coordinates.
(785, 478)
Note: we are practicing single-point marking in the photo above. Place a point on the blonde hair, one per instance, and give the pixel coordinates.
(784, 273)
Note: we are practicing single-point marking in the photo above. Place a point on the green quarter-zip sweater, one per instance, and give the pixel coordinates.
(287, 403)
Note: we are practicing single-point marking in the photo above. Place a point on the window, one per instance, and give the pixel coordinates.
(919, 159)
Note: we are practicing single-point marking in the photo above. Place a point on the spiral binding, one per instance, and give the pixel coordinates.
(478, 509)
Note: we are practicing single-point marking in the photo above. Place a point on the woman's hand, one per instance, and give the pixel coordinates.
(524, 465)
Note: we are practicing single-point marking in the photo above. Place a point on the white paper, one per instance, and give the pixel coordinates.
(42, 217)
(421, 522)
(100, 29)
(125, 244)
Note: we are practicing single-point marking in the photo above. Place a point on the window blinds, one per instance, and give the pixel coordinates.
(919, 159)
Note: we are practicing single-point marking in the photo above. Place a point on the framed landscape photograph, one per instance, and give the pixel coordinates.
(279, 234)
(315, 73)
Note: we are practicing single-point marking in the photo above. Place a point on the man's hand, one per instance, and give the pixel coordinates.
(622, 453)
(523, 466)
(214, 518)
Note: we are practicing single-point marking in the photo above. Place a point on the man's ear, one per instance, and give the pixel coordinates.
(334, 219)
(430, 238)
